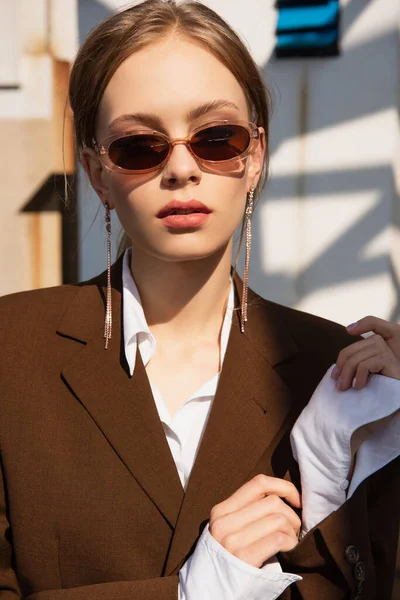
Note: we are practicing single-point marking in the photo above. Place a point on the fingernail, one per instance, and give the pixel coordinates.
(335, 372)
(338, 383)
(352, 325)
(353, 383)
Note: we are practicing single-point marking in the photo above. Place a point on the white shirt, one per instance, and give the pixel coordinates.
(185, 429)
(323, 451)
(212, 572)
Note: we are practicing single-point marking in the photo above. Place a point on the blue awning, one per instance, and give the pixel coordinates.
(309, 39)
(307, 28)
(308, 17)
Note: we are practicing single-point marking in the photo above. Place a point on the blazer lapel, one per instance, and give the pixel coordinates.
(121, 406)
(249, 409)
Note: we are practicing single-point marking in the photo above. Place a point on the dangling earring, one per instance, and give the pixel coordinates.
(108, 319)
(249, 212)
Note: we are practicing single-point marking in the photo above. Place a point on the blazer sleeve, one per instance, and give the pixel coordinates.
(354, 549)
(161, 588)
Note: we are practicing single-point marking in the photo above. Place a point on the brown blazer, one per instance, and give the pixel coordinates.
(91, 506)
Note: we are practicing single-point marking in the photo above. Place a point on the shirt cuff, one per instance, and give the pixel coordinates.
(321, 438)
(213, 572)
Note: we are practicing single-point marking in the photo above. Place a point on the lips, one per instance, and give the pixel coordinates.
(183, 208)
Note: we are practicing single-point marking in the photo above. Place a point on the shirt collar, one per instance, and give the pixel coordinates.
(136, 329)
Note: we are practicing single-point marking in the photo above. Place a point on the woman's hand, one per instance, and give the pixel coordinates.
(254, 523)
(378, 353)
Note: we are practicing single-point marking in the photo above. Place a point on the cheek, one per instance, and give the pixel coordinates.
(123, 187)
(132, 200)
(231, 201)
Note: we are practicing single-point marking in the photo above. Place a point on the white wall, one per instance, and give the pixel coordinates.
(328, 218)
(32, 34)
(325, 232)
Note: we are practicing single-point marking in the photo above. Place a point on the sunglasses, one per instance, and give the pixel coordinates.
(143, 150)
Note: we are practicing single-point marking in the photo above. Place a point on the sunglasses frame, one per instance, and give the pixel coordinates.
(102, 148)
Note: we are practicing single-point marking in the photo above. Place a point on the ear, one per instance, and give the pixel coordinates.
(98, 175)
(257, 160)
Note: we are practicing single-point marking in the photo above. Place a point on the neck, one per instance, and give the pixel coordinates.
(183, 298)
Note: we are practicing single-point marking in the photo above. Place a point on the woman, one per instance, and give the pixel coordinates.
(98, 443)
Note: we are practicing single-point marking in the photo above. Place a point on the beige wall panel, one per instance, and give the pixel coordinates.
(34, 98)
(33, 21)
(63, 29)
(14, 268)
(27, 158)
(9, 43)
(26, 163)
(49, 264)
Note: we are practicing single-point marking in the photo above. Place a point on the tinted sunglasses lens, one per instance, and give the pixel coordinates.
(221, 142)
(138, 152)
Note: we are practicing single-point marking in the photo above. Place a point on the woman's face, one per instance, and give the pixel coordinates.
(158, 87)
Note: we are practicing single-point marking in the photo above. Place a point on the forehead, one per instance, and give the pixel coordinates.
(170, 79)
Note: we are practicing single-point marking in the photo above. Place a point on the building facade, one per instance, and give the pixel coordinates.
(326, 231)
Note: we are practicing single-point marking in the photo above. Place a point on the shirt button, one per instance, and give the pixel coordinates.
(352, 554)
(359, 571)
(344, 485)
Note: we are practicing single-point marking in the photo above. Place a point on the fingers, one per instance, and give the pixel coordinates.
(363, 347)
(246, 516)
(356, 362)
(259, 530)
(259, 541)
(362, 372)
(353, 356)
(375, 364)
(256, 489)
(378, 326)
(255, 523)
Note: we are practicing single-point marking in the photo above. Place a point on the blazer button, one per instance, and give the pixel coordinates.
(352, 555)
(359, 571)
(359, 590)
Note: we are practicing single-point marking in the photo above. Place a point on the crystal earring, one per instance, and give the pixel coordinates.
(108, 318)
(249, 212)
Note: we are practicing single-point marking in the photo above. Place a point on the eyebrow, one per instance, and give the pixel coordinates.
(207, 107)
(153, 121)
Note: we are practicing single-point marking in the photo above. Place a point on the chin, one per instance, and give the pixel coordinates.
(185, 256)
(187, 251)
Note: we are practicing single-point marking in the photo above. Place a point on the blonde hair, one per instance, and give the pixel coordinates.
(130, 30)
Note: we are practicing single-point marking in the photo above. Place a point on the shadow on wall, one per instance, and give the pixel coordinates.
(344, 257)
(357, 84)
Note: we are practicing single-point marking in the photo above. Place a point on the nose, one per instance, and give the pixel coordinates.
(181, 168)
